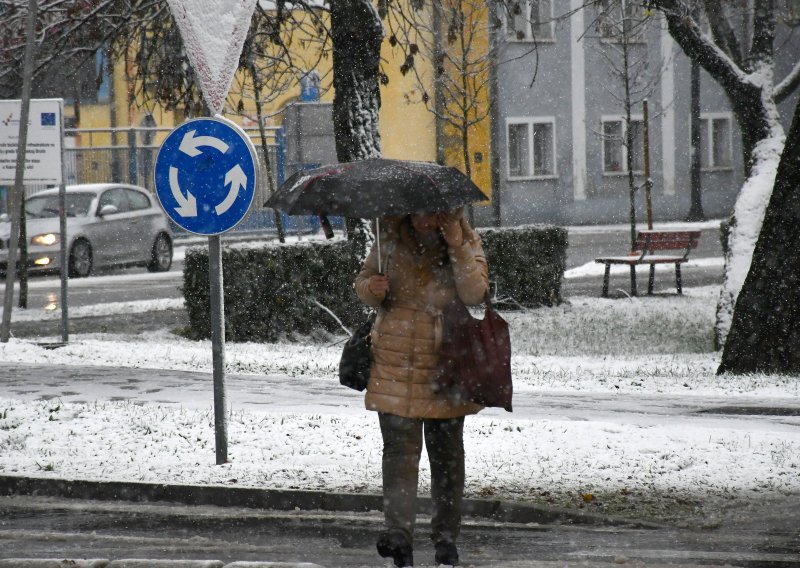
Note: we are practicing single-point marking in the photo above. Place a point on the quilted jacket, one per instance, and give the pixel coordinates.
(406, 337)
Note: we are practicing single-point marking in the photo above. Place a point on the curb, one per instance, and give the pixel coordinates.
(143, 563)
(292, 500)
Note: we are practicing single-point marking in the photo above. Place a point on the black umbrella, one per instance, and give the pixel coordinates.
(375, 188)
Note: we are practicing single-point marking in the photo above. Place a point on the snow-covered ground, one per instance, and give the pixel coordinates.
(650, 347)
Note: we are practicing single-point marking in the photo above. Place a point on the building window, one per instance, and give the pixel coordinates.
(518, 143)
(611, 25)
(716, 133)
(615, 151)
(529, 20)
(531, 148)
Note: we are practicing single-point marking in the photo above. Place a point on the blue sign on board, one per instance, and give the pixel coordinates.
(205, 175)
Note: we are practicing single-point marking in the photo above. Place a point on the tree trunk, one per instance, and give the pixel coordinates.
(494, 118)
(626, 83)
(765, 331)
(467, 167)
(696, 197)
(278, 216)
(439, 102)
(747, 103)
(357, 33)
(761, 135)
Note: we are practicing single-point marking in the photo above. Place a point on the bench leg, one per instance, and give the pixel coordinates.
(678, 283)
(633, 280)
(605, 280)
(651, 280)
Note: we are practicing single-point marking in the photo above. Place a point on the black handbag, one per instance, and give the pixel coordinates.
(357, 357)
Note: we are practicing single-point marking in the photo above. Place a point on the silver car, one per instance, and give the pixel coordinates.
(107, 225)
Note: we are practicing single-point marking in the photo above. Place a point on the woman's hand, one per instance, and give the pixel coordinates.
(450, 227)
(378, 285)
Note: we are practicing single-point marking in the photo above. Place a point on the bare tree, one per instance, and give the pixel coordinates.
(739, 55)
(455, 37)
(272, 70)
(622, 27)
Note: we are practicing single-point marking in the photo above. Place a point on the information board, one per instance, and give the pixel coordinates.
(45, 133)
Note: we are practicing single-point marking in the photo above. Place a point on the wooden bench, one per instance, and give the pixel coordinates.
(647, 242)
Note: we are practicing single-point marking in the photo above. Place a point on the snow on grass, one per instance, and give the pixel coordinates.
(107, 309)
(650, 346)
(659, 344)
(509, 458)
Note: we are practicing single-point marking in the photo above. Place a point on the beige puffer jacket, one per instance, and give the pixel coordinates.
(406, 337)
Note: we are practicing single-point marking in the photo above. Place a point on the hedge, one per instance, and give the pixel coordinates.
(527, 263)
(275, 291)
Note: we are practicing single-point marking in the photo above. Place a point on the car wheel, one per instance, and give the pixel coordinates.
(80, 259)
(161, 259)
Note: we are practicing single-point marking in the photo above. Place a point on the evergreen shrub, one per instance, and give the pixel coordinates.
(274, 291)
(527, 263)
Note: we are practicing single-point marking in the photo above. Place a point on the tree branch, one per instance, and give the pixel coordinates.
(788, 85)
(763, 31)
(684, 29)
(723, 32)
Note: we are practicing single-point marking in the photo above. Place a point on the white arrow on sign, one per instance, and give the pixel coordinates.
(187, 206)
(213, 34)
(238, 179)
(190, 143)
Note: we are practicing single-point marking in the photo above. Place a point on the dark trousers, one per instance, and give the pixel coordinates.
(402, 448)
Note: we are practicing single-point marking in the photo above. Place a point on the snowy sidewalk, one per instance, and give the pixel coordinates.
(616, 401)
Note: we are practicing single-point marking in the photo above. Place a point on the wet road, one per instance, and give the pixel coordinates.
(52, 527)
(585, 244)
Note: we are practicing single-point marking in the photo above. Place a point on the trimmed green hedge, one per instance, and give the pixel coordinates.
(527, 263)
(272, 291)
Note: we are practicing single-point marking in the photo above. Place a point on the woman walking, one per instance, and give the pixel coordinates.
(428, 259)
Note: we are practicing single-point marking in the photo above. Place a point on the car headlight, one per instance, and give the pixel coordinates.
(45, 239)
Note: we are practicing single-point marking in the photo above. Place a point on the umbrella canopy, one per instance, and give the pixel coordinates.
(375, 188)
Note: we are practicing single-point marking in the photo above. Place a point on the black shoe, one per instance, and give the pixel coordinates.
(395, 545)
(446, 553)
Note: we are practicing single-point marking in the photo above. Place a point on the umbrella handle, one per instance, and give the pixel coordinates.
(378, 242)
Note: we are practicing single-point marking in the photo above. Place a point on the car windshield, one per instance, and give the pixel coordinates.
(47, 205)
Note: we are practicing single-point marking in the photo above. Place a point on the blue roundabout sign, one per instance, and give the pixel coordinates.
(205, 175)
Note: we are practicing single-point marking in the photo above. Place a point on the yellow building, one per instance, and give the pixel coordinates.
(408, 128)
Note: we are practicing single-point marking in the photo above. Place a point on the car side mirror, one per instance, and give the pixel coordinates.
(107, 210)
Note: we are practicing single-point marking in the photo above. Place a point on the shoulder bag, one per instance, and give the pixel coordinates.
(357, 357)
(475, 357)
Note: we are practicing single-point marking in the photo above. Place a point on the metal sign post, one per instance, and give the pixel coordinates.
(62, 224)
(205, 178)
(206, 181)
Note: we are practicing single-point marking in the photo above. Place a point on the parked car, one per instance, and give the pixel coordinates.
(107, 225)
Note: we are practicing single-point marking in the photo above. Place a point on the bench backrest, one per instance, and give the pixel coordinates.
(652, 239)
